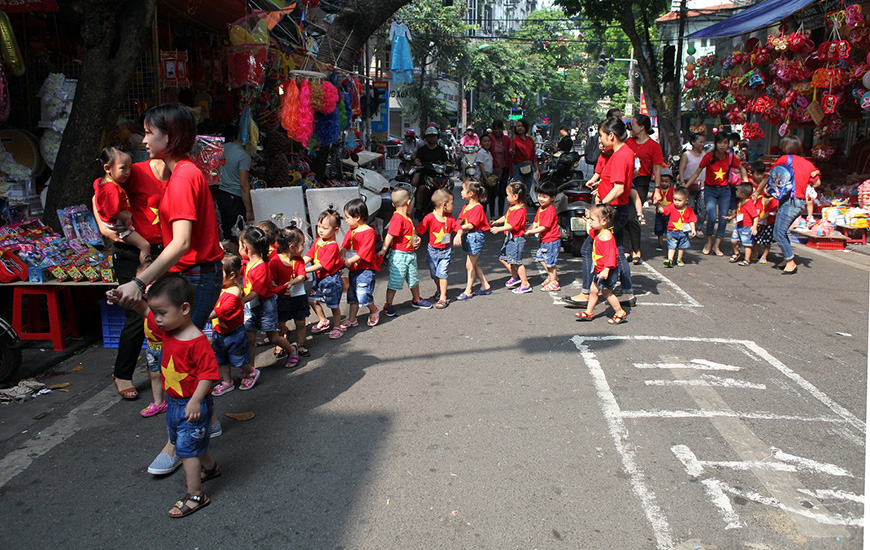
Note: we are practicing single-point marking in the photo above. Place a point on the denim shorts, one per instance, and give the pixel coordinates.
(472, 242)
(439, 261)
(548, 253)
(231, 349)
(661, 225)
(512, 250)
(403, 267)
(190, 438)
(263, 316)
(153, 358)
(678, 239)
(294, 308)
(609, 283)
(743, 235)
(327, 290)
(361, 287)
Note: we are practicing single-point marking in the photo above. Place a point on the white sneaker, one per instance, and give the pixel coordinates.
(164, 464)
(215, 430)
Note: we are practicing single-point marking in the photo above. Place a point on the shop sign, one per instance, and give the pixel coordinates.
(19, 6)
(381, 118)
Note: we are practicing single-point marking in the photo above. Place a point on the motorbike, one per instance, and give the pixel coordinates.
(434, 176)
(10, 350)
(572, 199)
(373, 187)
(467, 165)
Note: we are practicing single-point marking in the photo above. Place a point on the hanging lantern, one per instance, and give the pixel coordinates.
(690, 84)
(689, 75)
(690, 67)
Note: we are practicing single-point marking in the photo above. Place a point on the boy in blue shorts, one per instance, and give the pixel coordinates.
(745, 225)
(403, 241)
(546, 225)
(440, 225)
(680, 220)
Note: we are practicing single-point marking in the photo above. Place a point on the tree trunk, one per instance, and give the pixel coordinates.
(352, 27)
(114, 32)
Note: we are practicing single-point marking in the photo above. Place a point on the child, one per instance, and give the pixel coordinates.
(229, 339)
(440, 225)
(271, 230)
(812, 194)
(680, 221)
(662, 197)
(362, 262)
(152, 361)
(402, 238)
(189, 368)
(112, 202)
(514, 228)
(766, 206)
(472, 220)
(745, 224)
(758, 177)
(604, 269)
(326, 264)
(288, 267)
(546, 225)
(260, 303)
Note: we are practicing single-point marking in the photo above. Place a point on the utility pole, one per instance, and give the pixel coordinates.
(677, 106)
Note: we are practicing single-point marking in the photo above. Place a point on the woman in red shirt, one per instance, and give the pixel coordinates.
(717, 192)
(501, 167)
(525, 161)
(649, 153)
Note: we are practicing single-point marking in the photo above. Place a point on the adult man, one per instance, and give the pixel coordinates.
(430, 152)
(565, 142)
(234, 191)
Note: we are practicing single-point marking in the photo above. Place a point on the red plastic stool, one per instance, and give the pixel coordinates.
(56, 329)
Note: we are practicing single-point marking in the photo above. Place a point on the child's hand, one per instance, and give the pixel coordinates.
(754, 230)
(191, 411)
(694, 234)
(348, 263)
(457, 241)
(493, 230)
(416, 241)
(604, 274)
(382, 252)
(729, 217)
(112, 296)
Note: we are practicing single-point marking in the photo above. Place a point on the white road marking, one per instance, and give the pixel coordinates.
(618, 432)
(697, 413)
(21, 458)
(789, 463)
(696, 364)
(691, 302)
(708, 380)
(835, 495)
(721, 501)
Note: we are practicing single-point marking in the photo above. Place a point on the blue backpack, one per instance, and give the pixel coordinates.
(780, 182)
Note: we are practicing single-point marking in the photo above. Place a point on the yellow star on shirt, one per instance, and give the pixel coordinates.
(438, 235)
(678, 225)
(410, 240)
(149, 334)
(596, 256)
(720, 174)
(156, 215)
(172, 378)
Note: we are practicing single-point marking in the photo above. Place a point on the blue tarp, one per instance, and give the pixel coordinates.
(754, 17)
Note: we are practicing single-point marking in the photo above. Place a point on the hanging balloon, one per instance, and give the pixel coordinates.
(866, 79)
(690, 84)
(689, 75)
(691, 50)
(690, 67)
(690, 59)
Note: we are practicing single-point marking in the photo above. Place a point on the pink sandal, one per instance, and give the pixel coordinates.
(336, 333)
(293, 358)
(222, 388)
(249, 380)
(153, 409)
(320, 327)
(374, 318)
(347, 324)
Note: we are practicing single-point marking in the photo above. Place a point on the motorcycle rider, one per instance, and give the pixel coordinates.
(470, 139)
(410, 143)
(430, 152)
(565, 142)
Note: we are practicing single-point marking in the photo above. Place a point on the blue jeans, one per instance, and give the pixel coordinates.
(527, 179)
(787, 213)
(717, 197)
(190, 438)
(206, 280)
(623, 212)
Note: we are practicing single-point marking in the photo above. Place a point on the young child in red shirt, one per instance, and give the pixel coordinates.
(680, 220)
(766, 206)
(513, 225)
(472, 220)
(326, 263)
(288, 269)
(745, 225)
(546, 224)
(362, 261)
(604, 268)
(189, 369)
(663, 196)
(229, 338)
(440, 225)
(111, 200)
(402, 241)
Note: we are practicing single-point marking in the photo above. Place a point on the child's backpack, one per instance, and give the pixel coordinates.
(780, 183)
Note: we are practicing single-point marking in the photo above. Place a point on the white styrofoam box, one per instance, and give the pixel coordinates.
(287, 201)
(320, 199)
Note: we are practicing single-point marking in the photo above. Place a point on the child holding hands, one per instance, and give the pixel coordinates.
(766, 206)
(362, 262)
(440, 225)
(326, 263)
(680, 220)
(402, 240)
(546, 225)
(472, 220)
(230, 340)
(745, 225)
(604, 269)
(288, 267)
(662, 197)
(513, 225)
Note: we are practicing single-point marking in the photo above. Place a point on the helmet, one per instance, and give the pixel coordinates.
(431, 131)
(470, 127)
(410, 133)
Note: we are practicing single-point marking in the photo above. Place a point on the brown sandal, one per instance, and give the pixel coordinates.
(211, 474)
(129, 393)
(201, 502)
(618, 318)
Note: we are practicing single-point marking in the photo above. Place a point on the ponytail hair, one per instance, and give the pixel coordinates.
(332, 213)
(288, 237)
(256, 238)
(644, 122)
(518, 188)
(477, 190)
(614, 126)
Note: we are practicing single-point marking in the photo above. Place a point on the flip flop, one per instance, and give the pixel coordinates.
(482, 292)
(462, 297)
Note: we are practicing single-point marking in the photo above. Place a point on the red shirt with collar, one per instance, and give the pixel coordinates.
(516, 217)
(747, 209)
(402, 230)
(546, 217)
(474, 215)
(604, 253)
(230, 312)
(676, 218)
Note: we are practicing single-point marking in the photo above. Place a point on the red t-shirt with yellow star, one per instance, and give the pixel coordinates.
(604, 253)
(285, 270)
(717, 169)
(153, 333)
(145, 192)
(766, 207)
(326, 254)
(111, 199)
(439, 231)
(402, 230)
(474, 215)
(361, 239)
(747, 211)
(546, 217)
(677, 220)
(230, 312)
(258, 278)
(516, 218)
(667, 197)
(185, 363)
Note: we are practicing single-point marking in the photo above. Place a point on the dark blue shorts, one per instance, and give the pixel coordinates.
(472, 242)
(262, 316)
(678, 240)
(361, 287)
(231, 349)
(439, 261)
(609, 283)
(512, 250)
(293, 308)
(548, 253)
(190, 438)
(661, 224)
(327, 290)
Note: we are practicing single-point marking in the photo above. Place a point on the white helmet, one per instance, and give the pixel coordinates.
(431, 131)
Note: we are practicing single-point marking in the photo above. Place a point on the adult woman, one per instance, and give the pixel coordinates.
(502, 167)
(144, 189)
(525, 161)
(649, 153)
(717, 191)
(805, 174)
(689, 162)
(234, 191)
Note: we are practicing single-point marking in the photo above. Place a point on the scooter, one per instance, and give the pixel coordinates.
(372, 185)
(467, 166)
(10, 351)
(572, 199)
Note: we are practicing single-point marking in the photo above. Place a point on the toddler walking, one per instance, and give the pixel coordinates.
(680, 221)
(402, 240)
(326, 263)
(288, 269)
(761, 241)
(472, 220)
(546, 224)
(662, 197)
(745, 225)
(112, 202)
(229, 339)
(440, 225)
(604, 268)
(513, 225)
(362, 262)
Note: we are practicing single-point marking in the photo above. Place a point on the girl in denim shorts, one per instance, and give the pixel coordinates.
(473, 222)
(513, 225)
(326, 263)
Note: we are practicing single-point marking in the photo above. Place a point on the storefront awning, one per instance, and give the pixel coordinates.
(754, 17)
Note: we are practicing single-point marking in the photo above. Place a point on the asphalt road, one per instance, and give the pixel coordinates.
(728, 412)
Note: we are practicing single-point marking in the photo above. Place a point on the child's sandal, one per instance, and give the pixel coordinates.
(735, 258)
(303, 351)
(583, 316)
(201, 502)
(618, 318)
(293, 358)
(336, 333)
(743, 263)
(320, 327)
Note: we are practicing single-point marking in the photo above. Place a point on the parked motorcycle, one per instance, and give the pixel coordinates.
(572, 200)
(10, 351)
(467, 165)
(434, 176)
(373, 187)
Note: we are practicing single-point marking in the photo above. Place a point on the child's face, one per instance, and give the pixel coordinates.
(119, 169)
(325, 229)
(667, 181)
(741, 195)
(514, 199)
(466, 193)
(595, 221)
(352, 221)
(756, 176)
(167, 315)
(545, 200)
(297, 249)
(680, 201)
(230, 278)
